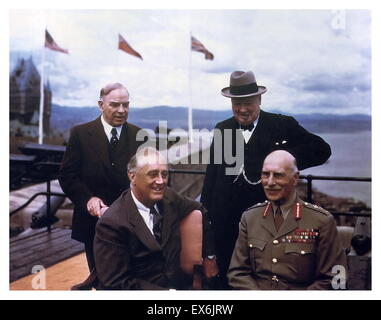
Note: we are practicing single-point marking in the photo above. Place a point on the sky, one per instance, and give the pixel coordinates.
(309, 60)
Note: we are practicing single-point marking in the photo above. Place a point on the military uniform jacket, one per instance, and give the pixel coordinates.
(226, 197)
(128, 256)
(299, 256)
(88, 171)
(223, 197)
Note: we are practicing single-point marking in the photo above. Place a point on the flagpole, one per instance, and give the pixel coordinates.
(41, 115)
(190, 116)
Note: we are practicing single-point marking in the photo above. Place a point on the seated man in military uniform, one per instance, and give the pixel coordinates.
(286, 243)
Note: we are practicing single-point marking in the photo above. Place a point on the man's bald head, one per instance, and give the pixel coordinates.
(279, 176)
(146, 156)
(283, 158)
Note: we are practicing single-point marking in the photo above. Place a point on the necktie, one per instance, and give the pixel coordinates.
(249, 127)
(278, 218)
(157, 222)
(114, 137)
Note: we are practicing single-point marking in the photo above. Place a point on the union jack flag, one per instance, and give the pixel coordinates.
(196, 45)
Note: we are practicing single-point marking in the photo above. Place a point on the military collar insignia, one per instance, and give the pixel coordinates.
(297, 210)
(267, 209)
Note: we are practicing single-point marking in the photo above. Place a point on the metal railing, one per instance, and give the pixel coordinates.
(309, 178)
(50, 170)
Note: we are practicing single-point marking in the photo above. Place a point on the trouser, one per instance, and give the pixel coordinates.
(225, 247)
(242, 196)
(89, 250)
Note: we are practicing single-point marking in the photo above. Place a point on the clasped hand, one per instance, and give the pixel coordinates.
(96, 207)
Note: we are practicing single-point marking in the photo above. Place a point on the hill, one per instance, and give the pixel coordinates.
(63, 118)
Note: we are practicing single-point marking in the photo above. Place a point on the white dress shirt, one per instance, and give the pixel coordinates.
(145, 212)
(108, 129)
(247, 134)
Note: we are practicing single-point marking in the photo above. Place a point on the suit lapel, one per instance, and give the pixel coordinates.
(123, 139)
(166, 210)
(236, 134)
(261, 134)
(137, 223)
(99, 139)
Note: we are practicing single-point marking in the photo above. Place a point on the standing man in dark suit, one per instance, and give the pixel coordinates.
(252, 134)
(137, 243)
(93, 172)
(286, 243)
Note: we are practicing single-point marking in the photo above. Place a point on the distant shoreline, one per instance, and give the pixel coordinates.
(63, 118)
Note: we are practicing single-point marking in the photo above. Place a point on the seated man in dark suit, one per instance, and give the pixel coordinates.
(137, 243)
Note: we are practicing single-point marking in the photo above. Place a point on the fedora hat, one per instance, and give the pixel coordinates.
(242, 84)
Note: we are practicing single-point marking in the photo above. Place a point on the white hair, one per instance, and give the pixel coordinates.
(145, 155)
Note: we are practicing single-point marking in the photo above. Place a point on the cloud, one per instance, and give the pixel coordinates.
(297, 54)
(343, 83)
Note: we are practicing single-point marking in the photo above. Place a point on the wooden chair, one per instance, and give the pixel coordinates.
(203, 272)
(191, 261)
(191, 247)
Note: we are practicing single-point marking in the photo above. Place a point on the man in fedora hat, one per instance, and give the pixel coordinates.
(227, 196)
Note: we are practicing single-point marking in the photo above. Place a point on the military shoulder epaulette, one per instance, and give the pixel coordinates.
(316, 208)
(258, 205)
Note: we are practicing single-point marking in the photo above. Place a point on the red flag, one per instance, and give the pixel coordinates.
(124, 46)
(199, 47)
(51, 44)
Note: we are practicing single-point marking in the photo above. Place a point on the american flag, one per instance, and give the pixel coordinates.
(51, 44)
(196, 45)
(124, 46)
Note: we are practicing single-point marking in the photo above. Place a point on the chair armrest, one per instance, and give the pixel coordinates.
(191, 241)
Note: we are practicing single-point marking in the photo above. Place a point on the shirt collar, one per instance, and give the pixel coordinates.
(107, 127)
(287, 205)
(254, 124)
(140, 205)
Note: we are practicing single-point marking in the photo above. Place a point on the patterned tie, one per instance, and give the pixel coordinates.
(114, 138)
(278, 218)
(157, 222)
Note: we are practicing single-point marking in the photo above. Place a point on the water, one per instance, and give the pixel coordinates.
(351, 156)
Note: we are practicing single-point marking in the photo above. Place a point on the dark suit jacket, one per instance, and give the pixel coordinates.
(301, 264)
(127, 255)
(87, 171)
(225, 200)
